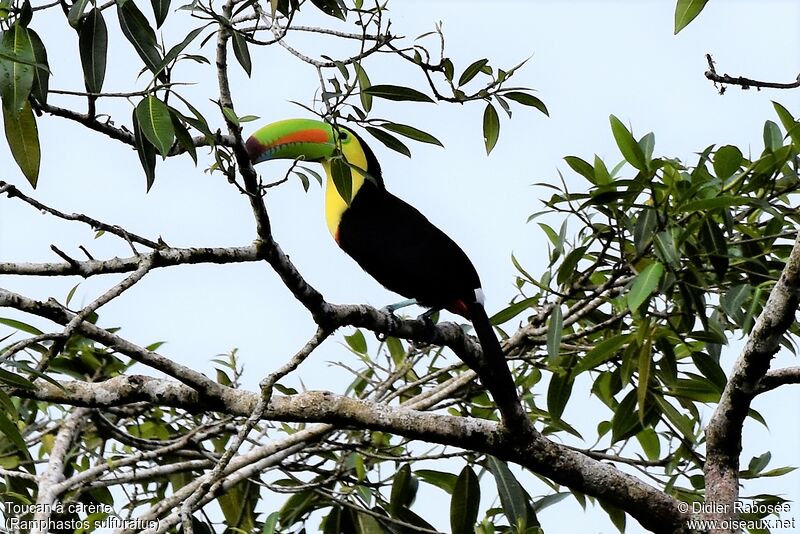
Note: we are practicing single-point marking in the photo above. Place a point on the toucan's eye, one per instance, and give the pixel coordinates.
(344, 136)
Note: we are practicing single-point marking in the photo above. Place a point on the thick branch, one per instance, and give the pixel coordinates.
(54, 473)
(777, 378)
(55, 312)
(165, 257)
(651, 507)
(724, 430)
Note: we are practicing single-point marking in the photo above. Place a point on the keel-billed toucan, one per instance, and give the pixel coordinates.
(390, 239)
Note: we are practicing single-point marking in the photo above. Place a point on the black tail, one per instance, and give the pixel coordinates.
(493, 369)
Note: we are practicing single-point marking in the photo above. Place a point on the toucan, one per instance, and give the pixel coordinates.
(390, 239)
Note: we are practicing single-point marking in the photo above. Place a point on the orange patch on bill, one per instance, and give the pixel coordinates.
(313, 135)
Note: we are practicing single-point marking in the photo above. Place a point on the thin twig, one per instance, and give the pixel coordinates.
(745, 83)
(13, 192)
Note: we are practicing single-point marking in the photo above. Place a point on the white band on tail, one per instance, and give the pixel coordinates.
(480, 298)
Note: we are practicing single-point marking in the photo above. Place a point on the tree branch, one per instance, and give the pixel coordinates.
(164, 257)
(12, 192)
(777, 378)
(90, 121)
(724, 430)
(745, 83)
(53, 311)
(651, 507)
(54, 473)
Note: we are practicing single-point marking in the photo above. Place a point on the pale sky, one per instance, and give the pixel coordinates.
(590, 59)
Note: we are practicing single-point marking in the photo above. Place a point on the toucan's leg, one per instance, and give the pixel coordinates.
(391, 308)
(428, 314)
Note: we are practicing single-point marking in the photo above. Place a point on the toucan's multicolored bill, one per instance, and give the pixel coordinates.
(306, 139)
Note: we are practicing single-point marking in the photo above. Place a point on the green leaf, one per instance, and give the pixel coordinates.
(626, 421)
(555, 326)
(342, 179)
(445, 481)
(584, 168)
(404, 489)
(241, 52)
(630, 149)
(558, 393)
(357, 342)
(23, 140)
(734, 298)
(363, 85)
(644, 285)
(791, 126)
(758, 463)
(448, 68)
(643, 231)
(41, 73)
(9, 429)
(389, 140)
(512, 496)
(773, 139)
(601, 173)
(727, 160)
(22, 327)
(25, 13)
(651, 446)
(711, 370)
(76, 12)
(93, 45)
(527, 99)
(647, 143)
(714, 241)
(173, 53)
(16, 76)
(616, 515)
(513, 310)
(466, 501)
(568, 267)
(156, 124)
(271, 524)
(778, 471)
(330, 7)
(137, 30)
(182, 135)
(146, 152)
(666, 248)
(16, 380)
(471, 71)
(411, 133)
(160, 11)
(398, 93)
(602, 352)
(686, 11)
(713, 203)
(231, 116)
(491, 127)
(238, 506)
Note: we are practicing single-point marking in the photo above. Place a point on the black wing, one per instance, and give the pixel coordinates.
(399, 247)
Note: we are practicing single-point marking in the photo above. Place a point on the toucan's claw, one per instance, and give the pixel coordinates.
(427, 317)
(392, 324)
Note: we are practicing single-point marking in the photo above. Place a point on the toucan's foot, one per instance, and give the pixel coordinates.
(391, 308)
(427, 317)
(392, 323)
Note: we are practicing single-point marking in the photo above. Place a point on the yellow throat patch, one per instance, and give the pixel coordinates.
(335, 205)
